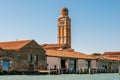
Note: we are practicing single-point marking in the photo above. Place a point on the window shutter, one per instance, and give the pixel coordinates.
(30, 58)
(36, 58)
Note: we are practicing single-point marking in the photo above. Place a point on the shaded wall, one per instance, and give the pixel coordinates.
(52, 61)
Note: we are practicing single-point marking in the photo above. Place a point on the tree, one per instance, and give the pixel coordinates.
(96, 54)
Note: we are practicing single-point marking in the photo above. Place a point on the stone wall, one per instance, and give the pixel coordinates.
(108, 65)
(81, 64)
(19, 59)
(93, 64)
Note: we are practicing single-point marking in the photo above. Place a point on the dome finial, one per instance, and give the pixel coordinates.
(64, 12)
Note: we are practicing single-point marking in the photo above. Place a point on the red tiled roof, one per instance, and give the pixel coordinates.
(111, 58)
(65, 54)
(52, 45)
(107, 57)
(14, 45)
(111, 53)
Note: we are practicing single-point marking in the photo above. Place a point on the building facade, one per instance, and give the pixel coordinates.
(70, 62)
(62, 56)
(108, 62)
(25, 55)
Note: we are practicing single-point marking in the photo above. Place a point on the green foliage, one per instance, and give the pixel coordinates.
(96, 54)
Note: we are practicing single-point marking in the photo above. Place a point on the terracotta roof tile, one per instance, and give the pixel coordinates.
(112, 58)
(56, 53)
(108, 57)
(52, 45)
(14, 45)
(111, 53)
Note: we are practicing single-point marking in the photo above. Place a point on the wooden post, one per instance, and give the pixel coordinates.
(83, 70)
(119, 70)
(58, 70)
(79, 70)
(96, 70)
(49, 70)
(89, 71)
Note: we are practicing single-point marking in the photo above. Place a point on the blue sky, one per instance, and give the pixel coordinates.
(95, 23)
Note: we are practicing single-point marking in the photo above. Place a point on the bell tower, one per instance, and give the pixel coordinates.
(64, 27)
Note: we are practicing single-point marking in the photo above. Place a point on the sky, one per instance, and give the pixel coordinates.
(95, 23)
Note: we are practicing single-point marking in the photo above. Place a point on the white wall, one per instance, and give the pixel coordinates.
(93, 64)
(81, 64)
(52, 61)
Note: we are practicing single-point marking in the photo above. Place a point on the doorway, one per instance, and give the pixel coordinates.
(63, 63)
(72, 65)
(88, 64)
(5, 65)
(31, 67)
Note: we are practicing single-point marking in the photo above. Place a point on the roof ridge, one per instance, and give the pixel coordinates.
(14, 45)
(68, 54)
(16, 41)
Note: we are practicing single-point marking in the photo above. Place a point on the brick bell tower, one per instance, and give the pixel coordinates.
(64, 27)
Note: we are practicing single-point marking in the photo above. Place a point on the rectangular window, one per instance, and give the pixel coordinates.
(5, 65)
(36, 59)
(30, 58)
(87, 64)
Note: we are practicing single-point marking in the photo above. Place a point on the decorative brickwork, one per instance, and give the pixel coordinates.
(64, 28)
